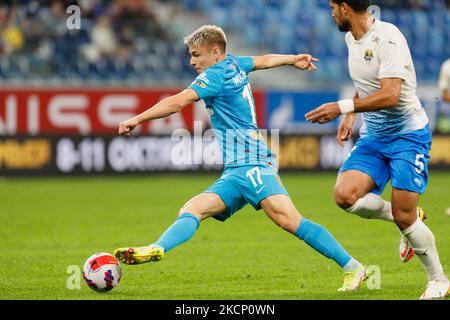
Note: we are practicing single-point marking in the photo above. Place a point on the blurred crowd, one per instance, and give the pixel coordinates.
(35, 39)
(140, 41)
(111, 24)
(292, 26)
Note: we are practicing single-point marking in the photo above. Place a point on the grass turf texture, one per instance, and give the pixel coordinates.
(50, 224)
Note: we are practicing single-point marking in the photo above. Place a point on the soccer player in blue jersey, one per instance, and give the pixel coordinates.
(250, 174)
(395, 138)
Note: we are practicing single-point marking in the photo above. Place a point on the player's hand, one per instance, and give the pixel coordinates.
(305, 62)
(345, 130)
(127, 126)
(324, 114)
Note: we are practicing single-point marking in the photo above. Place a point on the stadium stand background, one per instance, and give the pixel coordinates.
(63, 91)
(128, 42)
(140, 42)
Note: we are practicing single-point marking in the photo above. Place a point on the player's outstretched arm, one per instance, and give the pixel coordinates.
(162, 109)
(300, 61)
(387, 97)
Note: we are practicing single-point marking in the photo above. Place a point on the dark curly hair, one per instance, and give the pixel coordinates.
(357, 5)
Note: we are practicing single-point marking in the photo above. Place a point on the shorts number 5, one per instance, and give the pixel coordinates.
(420, 165)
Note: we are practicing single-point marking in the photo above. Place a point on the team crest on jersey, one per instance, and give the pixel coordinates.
(368, 56)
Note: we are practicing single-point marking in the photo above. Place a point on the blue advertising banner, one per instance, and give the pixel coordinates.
(286, 111)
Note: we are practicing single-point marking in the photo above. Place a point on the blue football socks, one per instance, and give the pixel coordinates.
(322, 241)
(179, 232)
(312, 233)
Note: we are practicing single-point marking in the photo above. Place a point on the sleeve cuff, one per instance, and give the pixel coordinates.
(252, 64)
(399, 75)
(198, 91)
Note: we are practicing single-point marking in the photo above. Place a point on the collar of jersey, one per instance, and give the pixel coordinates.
(372, 27)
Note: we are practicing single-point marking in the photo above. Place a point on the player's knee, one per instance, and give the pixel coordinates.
(195, 209)
(345, 198)
(188, 208)
(181, 212)
(183, 209)
(200, 216)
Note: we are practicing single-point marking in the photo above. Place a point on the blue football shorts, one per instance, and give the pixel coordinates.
(239, 186)
(403, 159)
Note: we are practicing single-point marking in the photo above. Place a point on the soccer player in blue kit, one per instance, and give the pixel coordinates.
(395, 138)
(250, 173)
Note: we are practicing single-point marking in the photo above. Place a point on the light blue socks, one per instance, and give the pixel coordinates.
(322, 241)
(179, 232)
(312, 233)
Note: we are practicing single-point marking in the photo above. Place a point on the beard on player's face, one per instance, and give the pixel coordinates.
(342, 22)
(344, 26)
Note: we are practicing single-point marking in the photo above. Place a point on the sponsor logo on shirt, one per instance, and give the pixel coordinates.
(203, 77)
(201, 84)
(376, 39)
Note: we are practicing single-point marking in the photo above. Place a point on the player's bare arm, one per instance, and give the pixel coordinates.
(387, 97)
(299, 61)
(345, 130)
(162, 109)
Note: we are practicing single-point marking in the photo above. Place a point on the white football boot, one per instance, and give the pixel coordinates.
(436, 290)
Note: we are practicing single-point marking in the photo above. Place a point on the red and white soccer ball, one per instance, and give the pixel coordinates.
(102, 272)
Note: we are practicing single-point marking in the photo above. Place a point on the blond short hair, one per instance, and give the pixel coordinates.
(207, 35)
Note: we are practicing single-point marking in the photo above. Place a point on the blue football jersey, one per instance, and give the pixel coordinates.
(226, 90)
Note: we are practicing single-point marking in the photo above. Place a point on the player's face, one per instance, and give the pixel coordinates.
(203, 57)
(338, 14)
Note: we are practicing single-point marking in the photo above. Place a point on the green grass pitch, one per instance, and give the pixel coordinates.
(48, 225)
